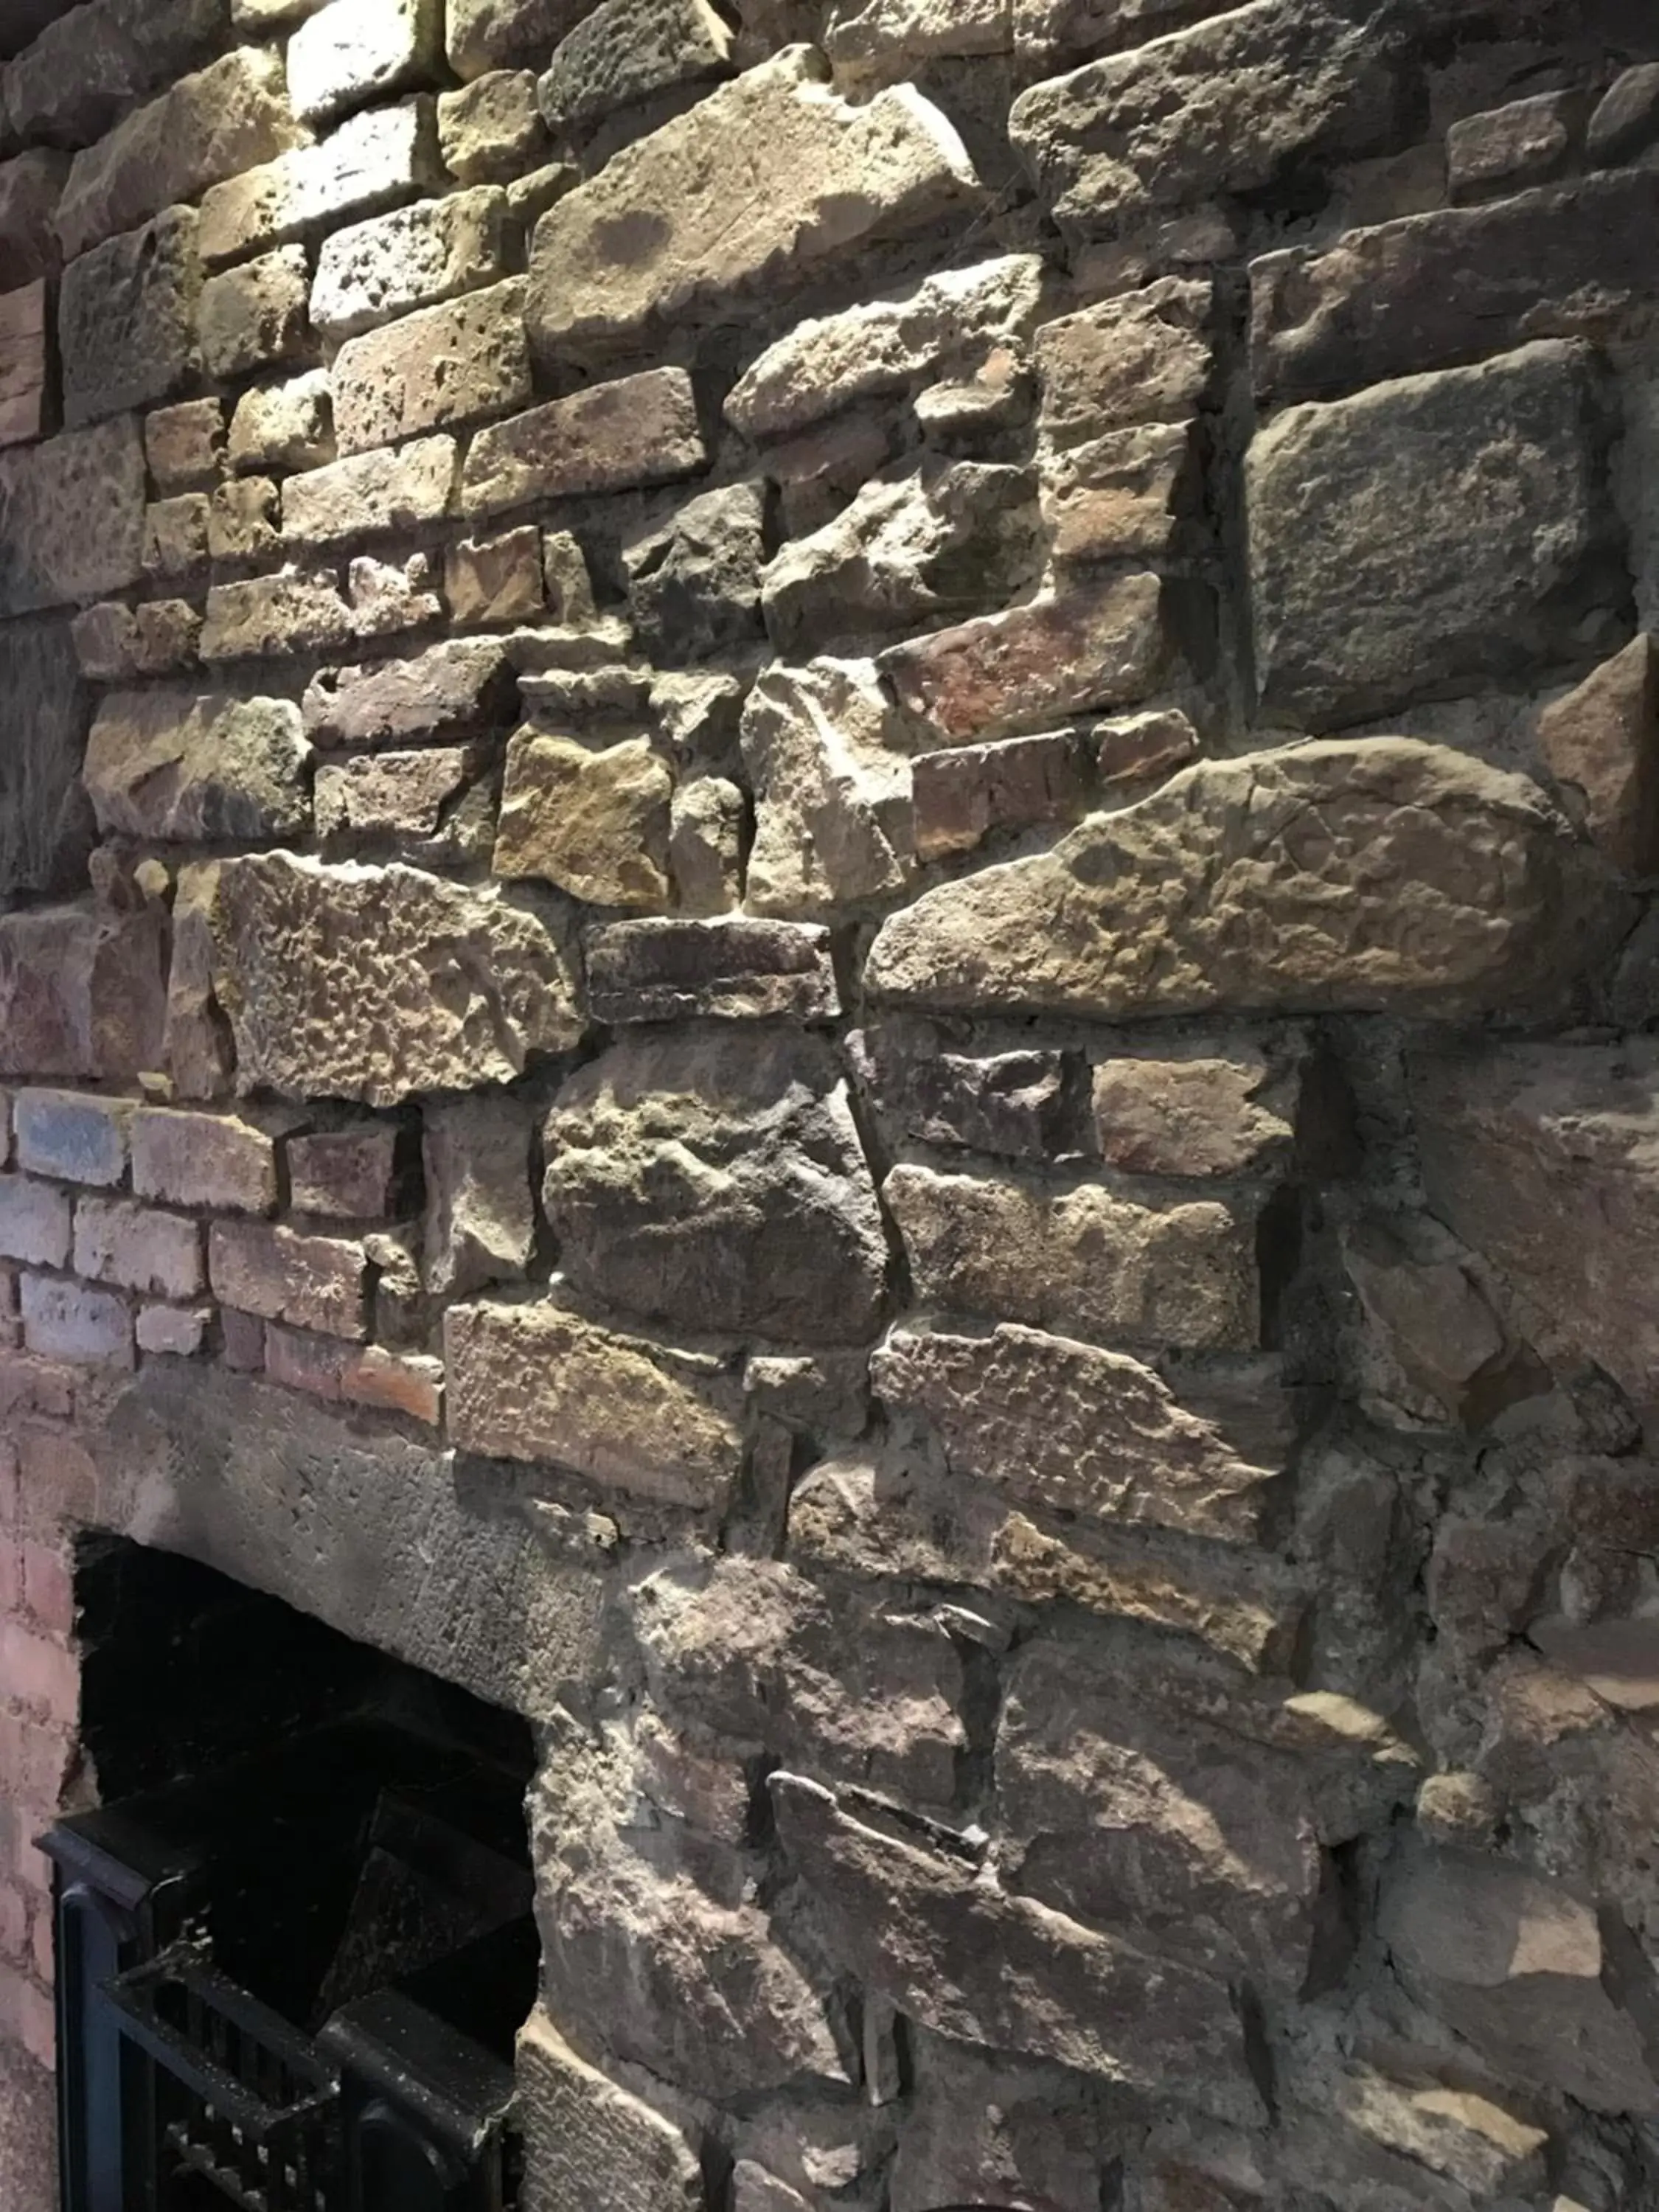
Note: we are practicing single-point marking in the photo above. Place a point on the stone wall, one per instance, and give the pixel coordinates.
(823, 837)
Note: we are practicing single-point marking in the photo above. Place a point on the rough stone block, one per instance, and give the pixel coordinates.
(83, 992)
(694, 580)
(833, 821)
(25, 378)
(194, 765)
(376, 491)
(412, 257)
(203, 1160)
(463, 683)
(639, 431)
(593, 820)
(137, 1248)
(284, 425)
(442, 366)
(45, 826)
(1133, 494)
(751, 189)
(35, 1222)
(1205, 1113)
(1625, 122)
(167, 634)
(48, 557)
(536, 1382)
(1023, 1105)
(496, 579)
(176, 535)
(184, 446)
(489, 34)
(255, 314)
(179, 1331)
(126, 319)
(774, 1230)
(206, 128)
(269, 617)
(1539, 580)
(705, 845)
(106, 640)
(576, 2124)
(351, 51)
(90, 64)
(67, 1321)
(1524, 143)
(351, 1174)
(30, 186)
(1601, 741)
(961, 798)
(737, 968)
(886, 38)
(628, 50)
(490, 131)
(400, 795)
(243, 520)
(311, 1282)
(480, 1212)
(75, 1138)
(1145, 356)
(373, 160)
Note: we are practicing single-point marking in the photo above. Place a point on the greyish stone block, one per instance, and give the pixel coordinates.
(126, 316)
(45, 826)
(627, 50)
(48, 557)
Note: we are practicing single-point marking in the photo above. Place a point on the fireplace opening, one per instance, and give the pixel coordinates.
(295, 1939)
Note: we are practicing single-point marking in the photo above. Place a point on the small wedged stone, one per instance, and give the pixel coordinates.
(629, 51)
(48, 557)
(1601, 741)
(694, 582)
(460, 683)
(184, 446)
(832, 790)
(1210, 1110)
(351, 51)
(962, 797)
(373, 160)
(193, 766)
(372, 983)
(705, 845)
(612, 437)
(480, 1226)
(1067, 1426)
(1133, 495)
(496, 579)
(25, 369)
(490, 131)
(737, 967)
(1523, 142)
(284, 425)
(1437, 885)
(403, 796)
(243, 522)
(83, 992)
(176, 535)
(1221, 107)
(535, 1382)
(760, 182)
(370, 492)
(1023, 1105)
(439, 368)
(715, 1180)
(255, 314)
(126, 316)
(593, 819)
(414, 257)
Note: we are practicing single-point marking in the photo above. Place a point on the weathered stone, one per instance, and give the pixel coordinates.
(125, 318)
(1541, 579)
(415, 257)
(980, 2128)
(30, 186)
(440, 366)
(496, 579)
(207, 127)
(705, 845)
(1139, 747)
(1144, 357)
(392, 794)
(205, 1160)
(716, 1181)
(65, 1321)
(311, 1282)
(889, 37)
(34, 1222)
(1178, 1274)
(1518, 1964)
(629, 51)
(480, 1213)
(264, 617)
(490, 131)
(105, 640)
(349, 1174)
(1062, 1425)
(593, 820)
(576, 2124)
(465, 682)
(44, 826)
(1625, 122)
(832, 812)
(392, 595)
(166, 635)
(374, 491)
(260, 16)
(284, 425)
(1524, 143)
(73, 1137)
(1618, 1659)
(176, 534)
(939, 539)
(960, 798)
(82, 991)
(947, 326)
(137, 1248)
(25, 376)
(1131, 494)
(91, 62)
(1023, 1105)
(487, 34)
(255, 314)
(178, 1331)
(1601, 741)
(694, 581)
(351, 51)
(733, 969)
(759, 182)
(48, 557)
(1223, 107)
(1438, 884)
(537, 1382)
(243, 520)
(915, 1919)
(639, 431)
(184, 446)
(1202, 1113)
(449, 988)
(1539, 1158)
(189, 765)
(373, 160)
(1088, 647)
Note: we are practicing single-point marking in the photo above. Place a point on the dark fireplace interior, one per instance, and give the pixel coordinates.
(295, 1938)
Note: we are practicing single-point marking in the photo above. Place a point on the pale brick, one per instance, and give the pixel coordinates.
(34, 1222)
(180, 1331)
(75, 1137)
(311, 1282)
(354, 51)
(137, 1248)
(491, 130)
(48, 557)
(439, 366)
(184, 445)
(243, 520)
(268, 616)
(176, 534)
(284, 425)
(496, 579)
(255, 314)
(375, 491)
(67, 1321)
(612, 437)
(412, 257)
(373, 160)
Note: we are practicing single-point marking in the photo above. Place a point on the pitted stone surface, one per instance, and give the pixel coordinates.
(47, 557)
(191, 765)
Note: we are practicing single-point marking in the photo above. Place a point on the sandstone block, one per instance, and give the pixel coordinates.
(639, 431)
(1200, 1114)
(67, 1321)
(961, 798)
(44, 828)
(1062, 1425)
(82, 991)
(137, 1248)
(440, 366)
(1601, 741)
(496, 579)
(25, 376)
(411, 258)
(594, 821)
(889, 37)
(48, 557)
(577, 2123)
(372, 983)
(89, 63)
(184, 446)
(490, 131)
(1542, 577)
(34, 1222)
(1145, 356)
(75, 1138)
(487, 34)
(694, 581)
(176, 534)
(180, 1331)
(255, 314)
(1021, 1105)
(1224, 107)
(352, 52)
(1090, 645)
(373, 160)
(1133, 494)
(269, 617)
(715, 1180)
(536, 1382)
(627, 50)
(736, 968)
(833, 819)
(705, 845)
(310, 1282)
(947, 326)
(754, 186)
(1442, 884)
(1523, 142)
(203, 1160)
(30, 186)
(284, 425)
(166, 636)
(206, 128)
(400, 795)
(1627, 118)
(463, 682)
(480, 1213)
(125, 318)
(375, 491)
(349, 1174)
(192, 765)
